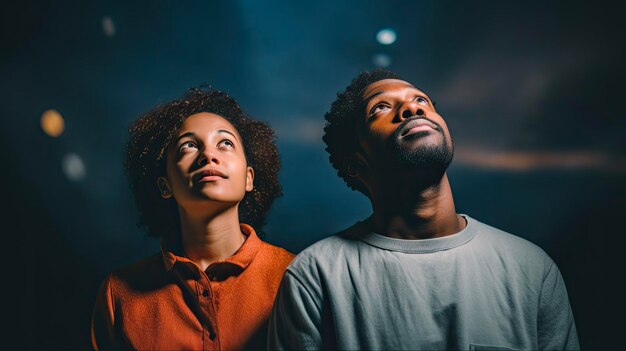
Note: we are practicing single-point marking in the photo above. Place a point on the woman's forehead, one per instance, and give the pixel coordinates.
(206, 122)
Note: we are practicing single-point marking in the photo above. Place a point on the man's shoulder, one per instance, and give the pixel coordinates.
(328, 250)
(509, 246)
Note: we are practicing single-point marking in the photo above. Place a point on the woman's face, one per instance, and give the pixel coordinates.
(206, 163)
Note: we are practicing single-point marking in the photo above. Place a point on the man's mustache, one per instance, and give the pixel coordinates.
(403, 125)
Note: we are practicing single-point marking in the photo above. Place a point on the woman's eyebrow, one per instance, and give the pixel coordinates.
(227, 132)
(188, 134)
(193, 135)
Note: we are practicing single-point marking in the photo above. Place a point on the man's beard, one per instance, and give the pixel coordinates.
(433, 159)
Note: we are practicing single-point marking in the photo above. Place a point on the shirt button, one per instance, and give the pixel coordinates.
(205, 293)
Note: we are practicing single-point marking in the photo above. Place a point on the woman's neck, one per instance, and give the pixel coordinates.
(210, 238)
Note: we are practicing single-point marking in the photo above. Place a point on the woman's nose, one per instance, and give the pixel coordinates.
(207, 157)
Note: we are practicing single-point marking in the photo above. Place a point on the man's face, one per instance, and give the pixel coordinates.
(400, 129)
(206, 161)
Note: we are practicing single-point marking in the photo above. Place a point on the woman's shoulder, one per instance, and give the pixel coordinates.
(275, 255)
(145, 269)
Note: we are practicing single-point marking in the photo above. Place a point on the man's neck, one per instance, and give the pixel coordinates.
(415, 211)
(210, 238)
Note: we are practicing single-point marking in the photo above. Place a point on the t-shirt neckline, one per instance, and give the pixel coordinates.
(423, 245)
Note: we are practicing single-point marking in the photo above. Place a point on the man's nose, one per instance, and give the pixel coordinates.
(411, 109)
(207, 157)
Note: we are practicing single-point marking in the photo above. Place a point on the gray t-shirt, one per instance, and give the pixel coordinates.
(478, 289)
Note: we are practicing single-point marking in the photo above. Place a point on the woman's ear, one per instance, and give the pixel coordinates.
(249, 179)
(164, 188)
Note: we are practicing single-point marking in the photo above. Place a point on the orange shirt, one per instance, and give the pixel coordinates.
(166, 302)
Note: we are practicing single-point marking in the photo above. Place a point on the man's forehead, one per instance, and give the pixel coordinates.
(384, 85)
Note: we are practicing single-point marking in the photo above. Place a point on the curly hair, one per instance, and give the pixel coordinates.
(340, 134)
(146, 158)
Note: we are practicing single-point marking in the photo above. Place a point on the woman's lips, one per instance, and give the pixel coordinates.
(209, 175)
(210, 178)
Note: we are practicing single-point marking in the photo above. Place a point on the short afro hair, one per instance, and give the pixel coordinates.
(146, 158)
(340, 134)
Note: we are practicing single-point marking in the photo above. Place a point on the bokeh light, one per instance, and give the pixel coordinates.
(381, 60)
(386, 36)
(52, 123)
(73, 167)
(108, 26)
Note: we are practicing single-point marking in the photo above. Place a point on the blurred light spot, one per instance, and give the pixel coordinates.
(300, 130)
(73, 167)
(533, 160)
(386, 36)
(52, 123)
(381, 60)
(108, 26)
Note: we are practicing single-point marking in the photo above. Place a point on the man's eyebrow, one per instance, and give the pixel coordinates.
(367, 100)
(372, 96)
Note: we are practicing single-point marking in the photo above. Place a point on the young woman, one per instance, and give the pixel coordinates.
(204, 176)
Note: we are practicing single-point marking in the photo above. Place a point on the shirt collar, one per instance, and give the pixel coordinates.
(417, 246)
(172, 252)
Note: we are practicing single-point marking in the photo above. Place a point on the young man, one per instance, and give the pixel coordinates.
(414, 275)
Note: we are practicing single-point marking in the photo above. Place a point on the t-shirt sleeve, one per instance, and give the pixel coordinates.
(295, 322)
(103, 319)
(555, 324)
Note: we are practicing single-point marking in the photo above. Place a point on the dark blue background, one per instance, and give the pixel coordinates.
(532, 94)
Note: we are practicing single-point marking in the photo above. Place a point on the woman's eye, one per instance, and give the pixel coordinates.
(421, 100)
(226, 143)
(378, 108)
(188, 145)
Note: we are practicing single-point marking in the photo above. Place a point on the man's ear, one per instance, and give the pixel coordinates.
(164, 187)
(249, 179)
(355, 166)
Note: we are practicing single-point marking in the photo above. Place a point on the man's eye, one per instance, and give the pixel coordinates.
(421, 100)
(187, 145)
(226, 143)
(378, 108)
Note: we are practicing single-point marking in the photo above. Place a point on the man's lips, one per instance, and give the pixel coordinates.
(209, 175)
(418, 125)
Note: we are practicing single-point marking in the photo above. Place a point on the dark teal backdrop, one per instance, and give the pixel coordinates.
(532, 92)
